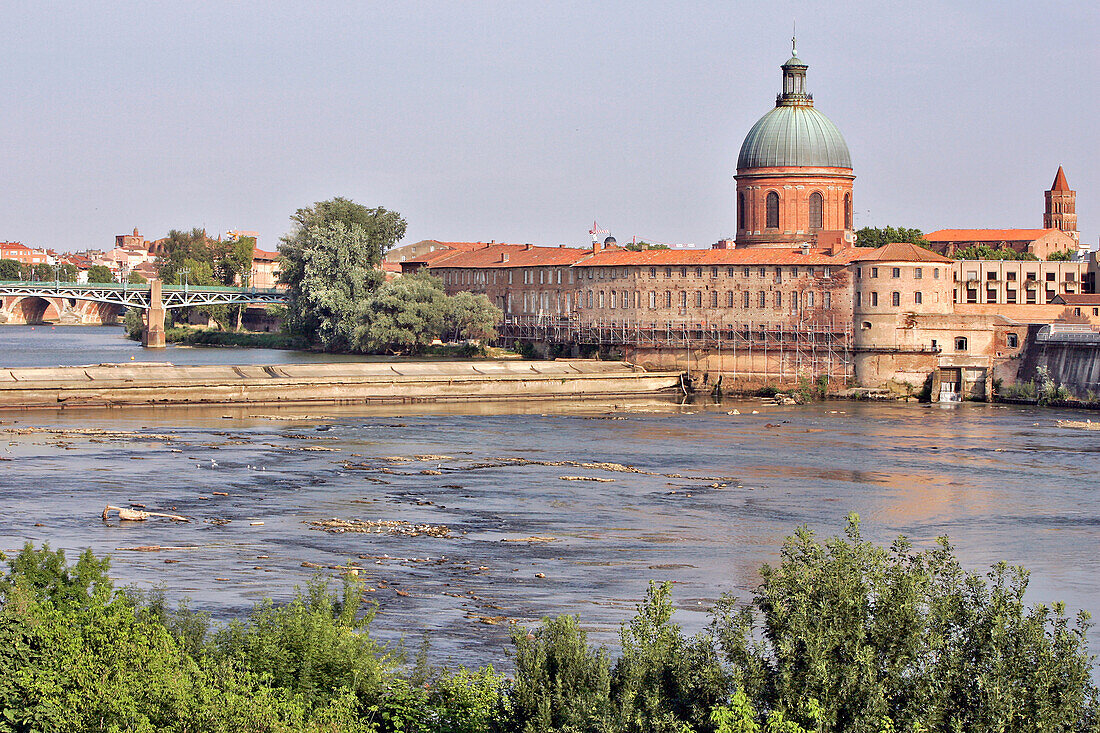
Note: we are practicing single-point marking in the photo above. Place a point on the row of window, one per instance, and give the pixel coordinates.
(614, 273)
(1011, 276)
(895, 272)
(895, 298)
(771, 211)
(622, 299)
(544, 276)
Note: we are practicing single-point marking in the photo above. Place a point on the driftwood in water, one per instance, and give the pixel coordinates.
(135, 515)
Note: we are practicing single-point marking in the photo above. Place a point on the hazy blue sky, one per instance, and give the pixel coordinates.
(520, 121)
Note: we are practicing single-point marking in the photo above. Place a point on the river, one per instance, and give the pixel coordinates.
(717, 494)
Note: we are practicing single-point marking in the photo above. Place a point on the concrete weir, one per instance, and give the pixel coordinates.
(339, 383)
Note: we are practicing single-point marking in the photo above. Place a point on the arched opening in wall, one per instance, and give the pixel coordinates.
(772, 205)
(740, 211)
(36, 310)
(847, 211)
(815, 210)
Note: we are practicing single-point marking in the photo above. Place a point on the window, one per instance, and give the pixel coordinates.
(874, 300)
(714, 272)
(683, 272)
(859, 272)
(652, 299)
(1077, 311)
(559, 277)
(763, 272)
(1010, 276)
(971, 295)
(1096, 311)
(794, 302)
(895, 298)
(828, 273)
(1070, 277)
(815, 210)
(763, 299)
(794, 272)
(960, 343)
(866, 325)
(612, 300)
(668, 299)
(810, 299)
(1010, 296)
(740, 211)
(935, 273)
(918, 273)
(772, 205)
(683, 299)
(874, 272)
(935, 345)
(589, 299)
(991, 295)
(745, 300)
(698, 272)
(729, 299)
(859, 298)
(601, 299)
(1051, 277)
(653, 272)
(918, 298)
(747, 272)
(778, 299)
(509, 277)
(847, 211)
(698, 298)
(729, 272)
(668, 272)
(1031, 276)
(829, 300)
(895, 272)
(541, 273)
(1030, 296)
(1012, 340)
(713, 298)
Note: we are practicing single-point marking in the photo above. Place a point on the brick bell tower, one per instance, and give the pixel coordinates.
(1061, 210)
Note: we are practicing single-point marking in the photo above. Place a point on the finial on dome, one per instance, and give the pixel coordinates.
(794, 36)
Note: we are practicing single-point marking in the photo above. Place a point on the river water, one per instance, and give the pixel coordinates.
(714, 497)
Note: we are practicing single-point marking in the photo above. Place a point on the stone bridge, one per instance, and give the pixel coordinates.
(103, 303)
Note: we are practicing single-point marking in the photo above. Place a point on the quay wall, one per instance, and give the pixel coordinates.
(343, 383)
(1074, 364)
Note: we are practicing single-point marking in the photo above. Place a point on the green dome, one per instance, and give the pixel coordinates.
(794, 135)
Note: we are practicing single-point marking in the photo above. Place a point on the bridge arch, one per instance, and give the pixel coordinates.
(34, 310)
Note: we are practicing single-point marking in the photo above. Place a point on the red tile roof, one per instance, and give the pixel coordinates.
(987, 235)
(1078, 298)
(718, 257)
(1060, 181)
(264, 255)
(901, 252)
(503, 255)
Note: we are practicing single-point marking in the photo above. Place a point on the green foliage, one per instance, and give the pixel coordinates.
(403, 315)
(330, 279)
(640, 246)
(472, 317)
(664, 682)
(135, 278)
(1048, 390)
(100, 274)
(989, 252)
(381, 229)
(878, 237)
(9, 270)
(561, 683)
(1061, 255)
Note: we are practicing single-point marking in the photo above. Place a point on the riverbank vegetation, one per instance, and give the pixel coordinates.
(840, 636)
(338, 297)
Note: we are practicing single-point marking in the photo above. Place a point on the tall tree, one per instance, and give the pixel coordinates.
(100, 274)
(470, 316)
(9, 269)
(403, 316)
(330, 277)
(382, 228)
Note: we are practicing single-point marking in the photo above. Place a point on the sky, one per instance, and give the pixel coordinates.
(525, 122)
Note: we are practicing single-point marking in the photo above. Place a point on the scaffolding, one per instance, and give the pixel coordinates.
(769, 349)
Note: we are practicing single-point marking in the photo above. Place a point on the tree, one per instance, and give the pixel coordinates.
(470, 316)
(330, 278)
(100, 274)
(1061, 255)
(135, 278)
(9, 270)
(875, 237)
(640, 246)
(67, 272)
(991, 252)
(382, 228)
(403, 316)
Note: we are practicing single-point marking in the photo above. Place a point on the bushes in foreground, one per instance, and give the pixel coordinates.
(841, 635)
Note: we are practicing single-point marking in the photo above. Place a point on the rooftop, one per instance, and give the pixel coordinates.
(504, 255)
(988, 235)
(901, 252)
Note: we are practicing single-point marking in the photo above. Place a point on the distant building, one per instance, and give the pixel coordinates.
(265, 268)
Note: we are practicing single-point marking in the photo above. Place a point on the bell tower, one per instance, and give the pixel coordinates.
(1061, 211)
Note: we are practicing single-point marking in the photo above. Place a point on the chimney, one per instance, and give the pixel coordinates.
(597, 245)
(805, 248)
(526, 247)
(503, 256)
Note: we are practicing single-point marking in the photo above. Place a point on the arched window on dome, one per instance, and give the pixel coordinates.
(740, 210)
(847, 211)
(773, 210)
(815, 210)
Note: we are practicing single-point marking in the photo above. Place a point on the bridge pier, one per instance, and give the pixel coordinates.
(153, 338)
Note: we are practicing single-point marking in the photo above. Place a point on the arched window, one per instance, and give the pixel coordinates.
(740, 211)
(847, 211)
(815, 210)
(773, 210)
